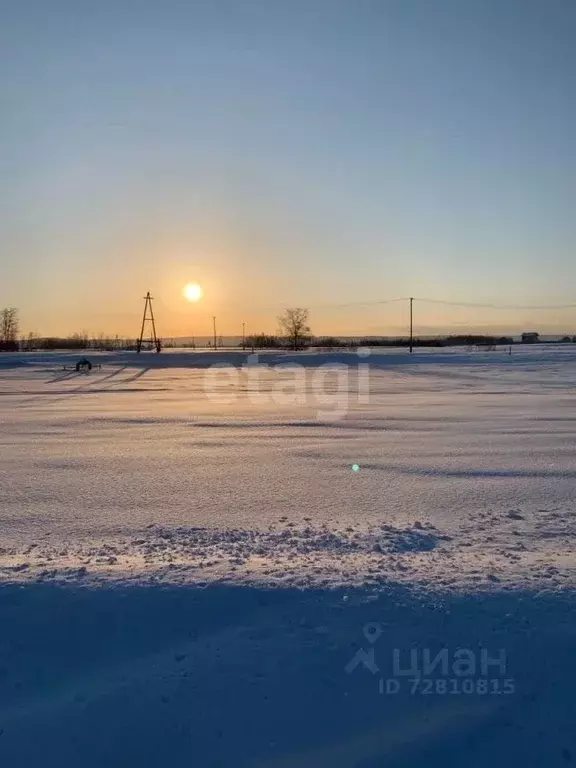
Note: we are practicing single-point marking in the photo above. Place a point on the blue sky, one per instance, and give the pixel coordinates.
(286, 152)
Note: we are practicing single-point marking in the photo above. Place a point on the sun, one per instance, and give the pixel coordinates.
(192, 292)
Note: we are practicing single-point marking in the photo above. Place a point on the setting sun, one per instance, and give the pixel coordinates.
(192, 292)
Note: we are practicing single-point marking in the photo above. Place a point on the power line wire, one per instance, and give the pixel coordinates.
(495, 306)
(358, 303)
(425, 300)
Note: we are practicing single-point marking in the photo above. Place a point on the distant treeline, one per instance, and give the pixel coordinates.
(103, 343)
(294, 333)
(78, 341)
(265, 341)
(9, 346)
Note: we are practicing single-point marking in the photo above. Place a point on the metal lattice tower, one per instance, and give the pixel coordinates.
(148, 317)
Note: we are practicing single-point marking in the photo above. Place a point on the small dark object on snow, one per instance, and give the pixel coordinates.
(83, 363)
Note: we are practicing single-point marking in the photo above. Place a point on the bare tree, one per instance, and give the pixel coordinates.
(294, 326)
(77, 341)
(31, 342)
(9, 325)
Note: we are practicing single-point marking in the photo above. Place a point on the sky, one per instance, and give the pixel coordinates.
(282, 153)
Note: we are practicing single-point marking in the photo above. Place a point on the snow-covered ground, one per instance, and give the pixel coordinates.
(192, 555)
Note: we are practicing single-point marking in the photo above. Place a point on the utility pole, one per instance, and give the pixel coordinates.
(214, 327)
(243, 335)
(148, 317)
(411, 325)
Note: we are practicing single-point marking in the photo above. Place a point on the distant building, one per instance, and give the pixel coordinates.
(530, 337)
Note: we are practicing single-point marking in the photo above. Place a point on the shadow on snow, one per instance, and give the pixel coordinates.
(221, 675)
